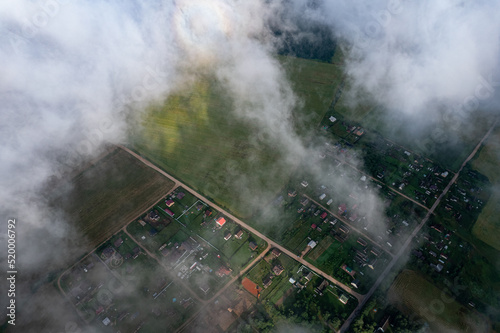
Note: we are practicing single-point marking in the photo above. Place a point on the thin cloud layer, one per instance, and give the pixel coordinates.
(412, 56)
(74, 75)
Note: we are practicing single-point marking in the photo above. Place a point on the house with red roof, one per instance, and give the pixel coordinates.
(223, 271)
(342, 208)
(220, 221)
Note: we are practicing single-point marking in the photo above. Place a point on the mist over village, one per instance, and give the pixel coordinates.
(250, 166)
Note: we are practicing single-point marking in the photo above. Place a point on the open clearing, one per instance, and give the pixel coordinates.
(110, 193)
(413, 294)
(195, 136)
(487, 226)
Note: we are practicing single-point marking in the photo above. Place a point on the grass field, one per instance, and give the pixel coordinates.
(197, 137)
(487, 226)
(487, 160)
(315, 83)
(111, 193)
(413, 294)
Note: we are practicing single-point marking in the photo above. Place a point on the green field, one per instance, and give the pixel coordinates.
(487, 226)
(414, 294)
(315, 83)
(197, 137)
(110, 193)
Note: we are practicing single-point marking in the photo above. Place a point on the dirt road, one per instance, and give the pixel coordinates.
(246, 226)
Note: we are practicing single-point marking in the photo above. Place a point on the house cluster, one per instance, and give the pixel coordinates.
(359, 131)
(435, 251)
(367, 256)
(80, 288)
(169, 202)
(351, 214)
(341, 233)
(276, 270)
(110, 252)
(175, 252)
(461, 198)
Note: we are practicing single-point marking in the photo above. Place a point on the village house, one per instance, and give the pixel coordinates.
(136, 251)
(153, 216)
(342, 208)
(321, 287)
(227, 236)
(220, 221)
(108, 252)
(267, 282)
(362, 242)
(252, 246)
(239, 234)
(223, 271)
(312, 244)
(344, 229)
(343, 299)
(169, 212)
(278, 269)
(118, 242)
(375, 251)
